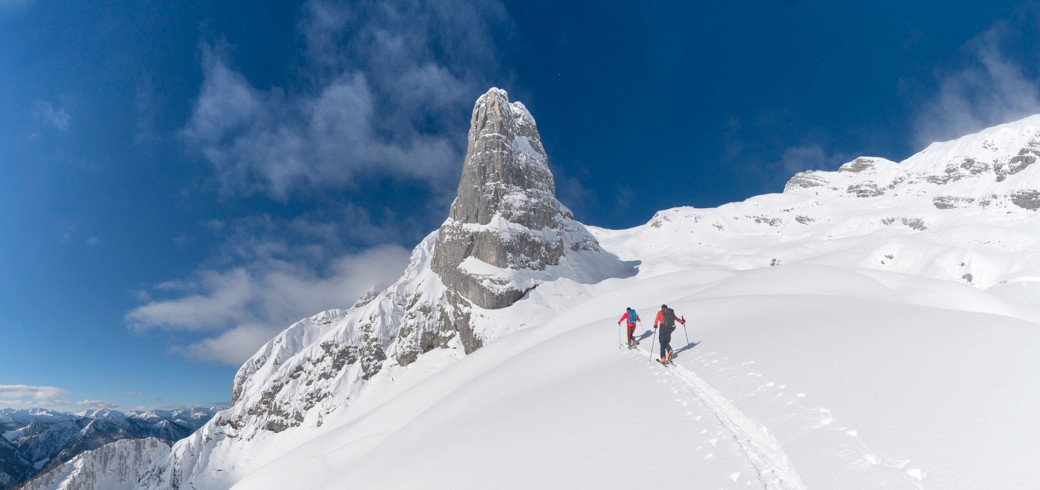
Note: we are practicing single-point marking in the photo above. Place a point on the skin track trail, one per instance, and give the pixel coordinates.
(761, 448)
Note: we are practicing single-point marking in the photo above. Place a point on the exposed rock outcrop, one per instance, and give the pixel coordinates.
(506, 217)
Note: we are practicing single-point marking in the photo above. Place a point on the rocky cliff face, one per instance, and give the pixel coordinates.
(506, 217)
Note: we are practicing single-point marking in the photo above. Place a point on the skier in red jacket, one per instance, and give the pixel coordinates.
(632, 318)
(666, 319)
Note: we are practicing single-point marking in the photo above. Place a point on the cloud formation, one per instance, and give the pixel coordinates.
(97, 405)
(386, 92)
(239, 308)
(991, 88)
(32, 396)
(800, 158)
(382, 93)
(55, 117)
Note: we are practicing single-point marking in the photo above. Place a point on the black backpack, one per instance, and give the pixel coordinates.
(669, 317)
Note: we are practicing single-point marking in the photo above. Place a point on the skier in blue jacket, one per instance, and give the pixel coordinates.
(632, 318)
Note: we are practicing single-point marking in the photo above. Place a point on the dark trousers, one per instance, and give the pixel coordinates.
(665, 333)
(631, 332)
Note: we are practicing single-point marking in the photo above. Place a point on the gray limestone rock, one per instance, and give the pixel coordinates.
(857, 165)
(506, 215)
(1027, 199)
(805, 180)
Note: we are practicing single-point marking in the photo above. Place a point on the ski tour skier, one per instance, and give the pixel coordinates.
(632, 318)
(666, 319)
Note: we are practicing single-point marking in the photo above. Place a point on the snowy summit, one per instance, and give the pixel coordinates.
(873, 327)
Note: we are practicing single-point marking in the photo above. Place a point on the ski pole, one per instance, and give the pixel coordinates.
(619, 335)
(652, 346)
(685, 331)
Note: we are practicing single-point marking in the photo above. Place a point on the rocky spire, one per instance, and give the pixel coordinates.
(506, 170)
(506, 217)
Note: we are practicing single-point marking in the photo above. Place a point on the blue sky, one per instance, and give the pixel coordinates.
(181, 180)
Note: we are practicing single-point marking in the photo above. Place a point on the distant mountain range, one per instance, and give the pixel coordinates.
(35, 440)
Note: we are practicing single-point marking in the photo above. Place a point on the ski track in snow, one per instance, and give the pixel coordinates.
(862, 455)
(761, 448)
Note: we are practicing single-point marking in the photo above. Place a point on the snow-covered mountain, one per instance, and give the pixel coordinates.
(37, 439)
(873, 327)
(119, 465)
(506, 235)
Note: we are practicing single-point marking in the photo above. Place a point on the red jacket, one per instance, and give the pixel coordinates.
(631, 321)
(660, 319)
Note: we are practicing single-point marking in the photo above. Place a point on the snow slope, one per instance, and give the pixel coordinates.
(873, 327)
(797, 377)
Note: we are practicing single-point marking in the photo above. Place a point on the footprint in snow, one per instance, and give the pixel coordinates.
(826, 418)
(916, 474)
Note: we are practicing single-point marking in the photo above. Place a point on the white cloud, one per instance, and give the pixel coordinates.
(222, 298)
(991, 89)
(97, 404)
(386, 86)
(800, 158)
(381, 90)
(246, 306)
(232, 346)
(32, 396)
(56, 117)
(177, 406)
